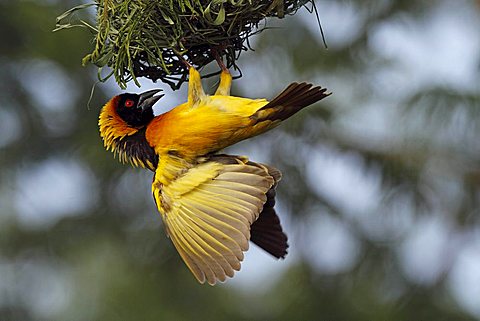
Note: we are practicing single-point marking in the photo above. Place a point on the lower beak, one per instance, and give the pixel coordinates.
(147, 99)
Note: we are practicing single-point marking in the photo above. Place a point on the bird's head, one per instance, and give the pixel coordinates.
(123, 121)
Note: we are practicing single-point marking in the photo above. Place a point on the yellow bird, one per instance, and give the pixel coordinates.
(211, 204)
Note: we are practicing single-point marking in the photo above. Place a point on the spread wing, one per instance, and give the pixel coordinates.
(208, 209)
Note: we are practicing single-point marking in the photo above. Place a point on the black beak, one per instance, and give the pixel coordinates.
(147, 99)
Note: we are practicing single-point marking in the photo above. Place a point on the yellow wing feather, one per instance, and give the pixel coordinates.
(208, 209)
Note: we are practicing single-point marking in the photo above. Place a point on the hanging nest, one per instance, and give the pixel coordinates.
(151, 38)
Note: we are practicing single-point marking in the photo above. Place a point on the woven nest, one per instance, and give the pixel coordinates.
(151, 38)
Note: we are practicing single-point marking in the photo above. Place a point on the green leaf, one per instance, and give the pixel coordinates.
(220, 15)
(69, 12)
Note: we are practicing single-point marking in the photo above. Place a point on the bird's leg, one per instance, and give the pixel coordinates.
(225, 77)
(195, 89)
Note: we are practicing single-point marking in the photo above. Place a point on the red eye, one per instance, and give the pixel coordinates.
(129, 103)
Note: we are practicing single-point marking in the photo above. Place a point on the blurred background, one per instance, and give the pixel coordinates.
(380, 196)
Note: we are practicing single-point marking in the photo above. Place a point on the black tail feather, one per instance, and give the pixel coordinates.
(294, 98)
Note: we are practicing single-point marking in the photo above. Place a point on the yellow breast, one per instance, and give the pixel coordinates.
(215, 123)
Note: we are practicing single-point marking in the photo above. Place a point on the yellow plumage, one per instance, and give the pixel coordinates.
(208, 211)
(211, 204)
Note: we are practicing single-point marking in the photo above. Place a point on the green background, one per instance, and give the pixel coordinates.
(380, 196)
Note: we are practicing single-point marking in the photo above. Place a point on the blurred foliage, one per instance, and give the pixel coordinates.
(109, 259)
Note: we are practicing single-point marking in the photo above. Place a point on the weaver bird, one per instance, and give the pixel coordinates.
(211, 204)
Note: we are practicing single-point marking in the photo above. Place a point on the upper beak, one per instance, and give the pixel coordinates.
(147, 99)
